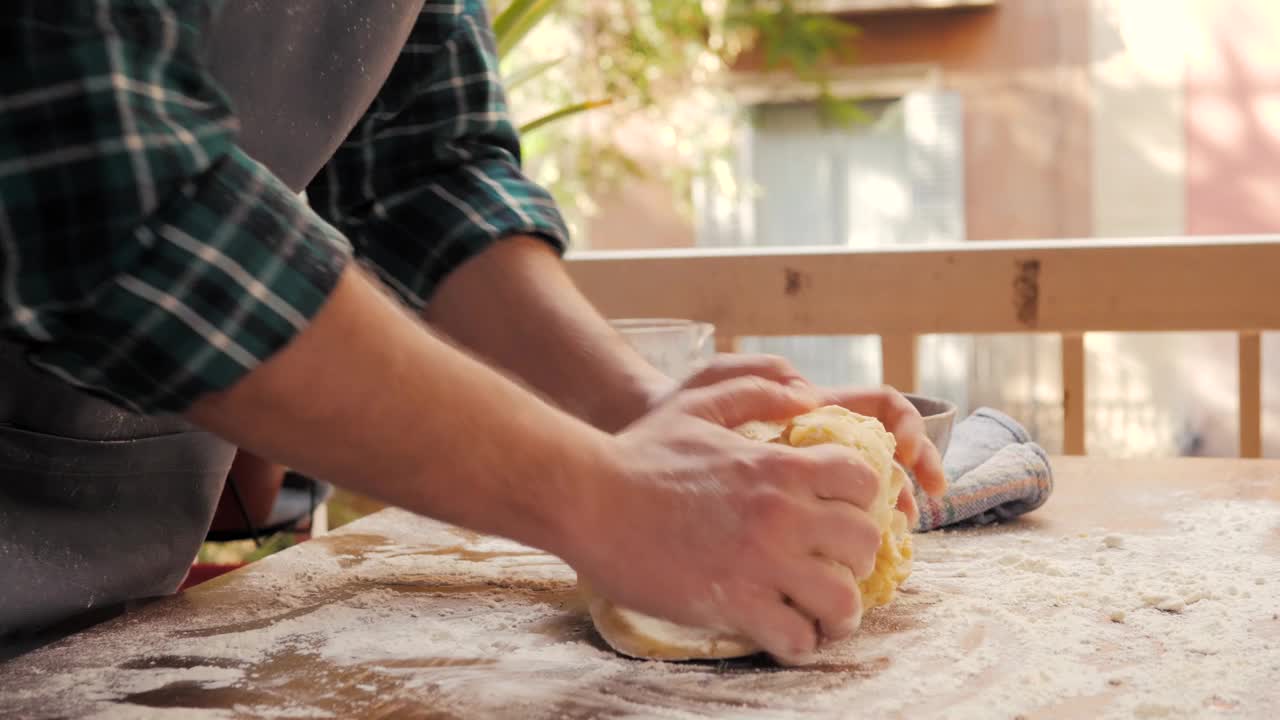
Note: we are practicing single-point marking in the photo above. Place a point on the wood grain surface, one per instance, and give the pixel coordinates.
(398, 616)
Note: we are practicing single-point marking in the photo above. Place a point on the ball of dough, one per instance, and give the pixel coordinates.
(641, 636)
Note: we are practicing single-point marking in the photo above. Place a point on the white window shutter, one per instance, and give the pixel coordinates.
(896, 180)
(934, 127)
(794, 164)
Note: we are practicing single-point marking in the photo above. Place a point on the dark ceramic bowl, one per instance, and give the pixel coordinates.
(939, 417)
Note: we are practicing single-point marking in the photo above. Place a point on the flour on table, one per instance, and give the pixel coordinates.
(993, 623)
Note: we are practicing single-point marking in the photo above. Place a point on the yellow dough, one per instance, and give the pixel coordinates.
(641, 636)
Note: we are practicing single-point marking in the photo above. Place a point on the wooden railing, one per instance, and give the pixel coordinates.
(1064, 287)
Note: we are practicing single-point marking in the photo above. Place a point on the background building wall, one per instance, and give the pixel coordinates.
(1088, 118)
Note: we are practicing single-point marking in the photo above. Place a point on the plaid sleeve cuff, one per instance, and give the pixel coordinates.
(225, 274)
(464, 210)
(431, 175)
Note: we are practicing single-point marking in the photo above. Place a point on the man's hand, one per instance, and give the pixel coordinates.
(692, 522)
(915, 451)
(564, 349)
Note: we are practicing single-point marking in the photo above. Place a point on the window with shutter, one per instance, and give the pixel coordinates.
(895, 179)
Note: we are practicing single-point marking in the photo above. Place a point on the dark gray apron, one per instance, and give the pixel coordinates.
(99, 506)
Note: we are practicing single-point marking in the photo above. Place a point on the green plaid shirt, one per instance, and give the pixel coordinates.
(146, 258)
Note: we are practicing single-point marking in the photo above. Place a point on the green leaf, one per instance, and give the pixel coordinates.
(509, 16)
(518, 19)
(644, 55)
(840, 113)
(563, 113)
(272, 546)
(530, 72)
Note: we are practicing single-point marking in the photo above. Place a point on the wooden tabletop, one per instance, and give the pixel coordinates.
(1142, 589)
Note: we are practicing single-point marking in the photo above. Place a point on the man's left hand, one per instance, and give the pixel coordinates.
(914, 449)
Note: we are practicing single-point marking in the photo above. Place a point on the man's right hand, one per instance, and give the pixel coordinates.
(691, 522)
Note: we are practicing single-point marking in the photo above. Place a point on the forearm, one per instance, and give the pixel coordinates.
(367, 398)
(558, 344)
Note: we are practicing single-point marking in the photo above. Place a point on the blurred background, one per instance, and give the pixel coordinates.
(664, 124)
(874, 123)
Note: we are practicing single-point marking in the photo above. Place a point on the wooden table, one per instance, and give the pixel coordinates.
(1147, 589)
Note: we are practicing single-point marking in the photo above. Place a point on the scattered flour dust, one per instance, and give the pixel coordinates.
(1182, 622)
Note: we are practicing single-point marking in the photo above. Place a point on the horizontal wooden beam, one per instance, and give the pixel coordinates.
(978, 287)
(857, 7)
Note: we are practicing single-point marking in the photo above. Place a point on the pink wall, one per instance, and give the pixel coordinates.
(1233, 121)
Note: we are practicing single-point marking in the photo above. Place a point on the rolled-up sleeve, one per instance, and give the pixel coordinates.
(143, 256)
(431, 175)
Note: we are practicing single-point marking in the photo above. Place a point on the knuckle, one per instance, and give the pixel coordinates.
(770, 508)
(844, 601)
(724, 406)
(861, 546)
(870, 534)
(895, 397)
(895, 407)
(827, 453)
(909, 416)
(839, 459)
(789, 468)
(690, 401)
(862, 563)
(865, 476)
(850, 470)
(905, 407)
(745, 466)
(756, 385)
(850, 610)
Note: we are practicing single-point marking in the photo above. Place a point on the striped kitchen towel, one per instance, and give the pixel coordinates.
(995, 472)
